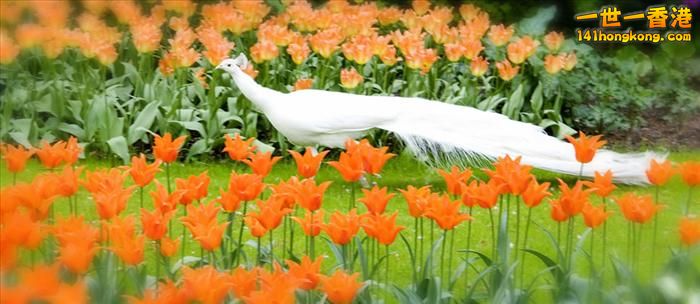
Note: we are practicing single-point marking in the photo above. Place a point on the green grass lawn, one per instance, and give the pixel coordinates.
(398, 174)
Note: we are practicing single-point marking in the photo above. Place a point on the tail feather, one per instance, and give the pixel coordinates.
(445, 134)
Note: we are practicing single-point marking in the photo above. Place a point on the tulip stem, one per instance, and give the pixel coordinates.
(442, 254)
(240, 235)
(466, 252)
(527, 229)
(291, 232)
(592, 252)
(284, 237)
(229, 232)
(449, 263)
(422, 241)
(167, 178)
(415, 243)
(258, 256)
(386, 275)
(605, 237)
(313, 237)
(184, 239)
(272, 251)
(157, 263)
(141, 196)
(656, 223)
(352, 196)
(493, 234)
(687, 203)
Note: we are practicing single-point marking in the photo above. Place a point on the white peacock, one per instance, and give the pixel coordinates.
(430, 129)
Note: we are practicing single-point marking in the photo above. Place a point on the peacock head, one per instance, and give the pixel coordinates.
(234, 65)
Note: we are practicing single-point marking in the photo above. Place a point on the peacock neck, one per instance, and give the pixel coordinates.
(261, 96)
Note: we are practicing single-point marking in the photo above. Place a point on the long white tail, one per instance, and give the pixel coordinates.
(441, 132)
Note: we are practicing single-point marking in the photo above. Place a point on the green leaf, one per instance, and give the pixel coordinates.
(119, 147)
(536, 100)
(537, 24)
(143, 122)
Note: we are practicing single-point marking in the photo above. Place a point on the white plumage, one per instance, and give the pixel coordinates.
(431, 130)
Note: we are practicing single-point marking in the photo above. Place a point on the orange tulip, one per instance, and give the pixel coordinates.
(416, 199)
(308, 164)
(310, 224)
(103, 180)
(201, 222)
(19, 229)
(166, 149)
(229, 201)
(71, 294)
(602, 184)
(237, 148)
(658, 174)
(110, 203)
(155, 223)
(637, 208)
(67, 182)
(326, 42)
(690, 231)
(690, 172)
(382, 227)
(51, 155)
(511, 173)
(594, 216)
(340, 287)
(124, 242)
(72, 151)
(15, 157)
(553, 40)
(270, 212)
(341, 228)
(445, 212)
(243, 281)
(39, 195)
(77, 243)
(168, 246)
(303, 84)
(350, 78)
(350, 166)
(569, 60)
(205, 284)
(500, 34)
(261, 162)
(573, 199)
(585, 147)
(195, 187)
(164, 201)
(41, 281)
(558, 214)
(534, 193)
(454, 51)
(486, 194)
(217, 46)
(299, 51)
(455, 178)
(307, 272)
(277, 285)
(264, 50)
(376, 199)
(375, 158)
(309, 195)
(141, 172)
(478, 66)
(246, 186)
(146, 35)
(506, 71)
(287, 191)
(472, 48)
(388, 15)
(553, 63)
(256, 228)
